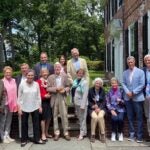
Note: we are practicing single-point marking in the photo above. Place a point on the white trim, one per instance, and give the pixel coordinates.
(111, 54)
(106, 59)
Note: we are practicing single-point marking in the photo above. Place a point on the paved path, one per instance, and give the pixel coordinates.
(78, 145)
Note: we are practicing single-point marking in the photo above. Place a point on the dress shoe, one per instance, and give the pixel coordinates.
(92, 138)
(56, 137)
(39, 142)
(23, 144)
(103, 139)
(67, 137)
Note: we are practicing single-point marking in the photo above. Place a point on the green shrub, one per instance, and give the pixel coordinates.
(95, 65)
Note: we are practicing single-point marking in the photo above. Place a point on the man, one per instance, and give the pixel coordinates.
(20, 78)
(43, 64)
(75, 64)
(133, 84)
(58, 86)
(147, 92)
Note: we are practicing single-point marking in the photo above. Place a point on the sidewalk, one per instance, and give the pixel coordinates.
(78, 145)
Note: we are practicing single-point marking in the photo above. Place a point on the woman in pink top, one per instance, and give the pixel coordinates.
(10, 103)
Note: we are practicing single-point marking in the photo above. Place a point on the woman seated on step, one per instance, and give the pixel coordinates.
(97, 108)
(115, 105)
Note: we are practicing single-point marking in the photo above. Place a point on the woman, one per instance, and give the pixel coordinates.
(79, 94)
(10, 103)
(29, 102)
(115, 105)
(97, 108)
(45, 96)
(63, 62)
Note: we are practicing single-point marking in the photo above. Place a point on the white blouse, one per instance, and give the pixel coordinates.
(29, 98)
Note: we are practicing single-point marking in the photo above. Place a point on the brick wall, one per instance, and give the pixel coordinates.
(15, 128)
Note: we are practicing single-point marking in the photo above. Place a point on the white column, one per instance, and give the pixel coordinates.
(106, 68)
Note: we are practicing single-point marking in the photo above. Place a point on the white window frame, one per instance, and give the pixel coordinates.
(131, 38)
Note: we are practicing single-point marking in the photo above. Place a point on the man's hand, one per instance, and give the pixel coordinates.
(113, 113)
(130, 94)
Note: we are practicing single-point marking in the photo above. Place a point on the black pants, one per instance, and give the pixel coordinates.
(24, 126)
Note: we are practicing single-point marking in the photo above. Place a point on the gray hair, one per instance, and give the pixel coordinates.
(98, 79)
(130, 57)
(114, 79)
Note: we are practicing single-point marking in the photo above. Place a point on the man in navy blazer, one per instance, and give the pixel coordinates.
(43, 64)
(133, 84)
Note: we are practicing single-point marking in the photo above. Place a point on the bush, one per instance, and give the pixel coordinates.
(95, 65)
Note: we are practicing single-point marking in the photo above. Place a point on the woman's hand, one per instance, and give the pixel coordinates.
(40, 110)
(20, 112)
(113, 113)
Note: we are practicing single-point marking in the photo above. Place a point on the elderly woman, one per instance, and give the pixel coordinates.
(29, 102)
(96, 107)
(79, 94)
(10, 103)
(115, 105)
(46, 109)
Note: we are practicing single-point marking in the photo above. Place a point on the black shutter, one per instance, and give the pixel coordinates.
(145, 35)
(126, 45)
(136, 54)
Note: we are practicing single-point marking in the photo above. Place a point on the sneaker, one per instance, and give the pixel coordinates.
(113, 137)
(80, 137)
(131, 138)
(10, 139)
(120, 137)
(6, 141)
(139, 141)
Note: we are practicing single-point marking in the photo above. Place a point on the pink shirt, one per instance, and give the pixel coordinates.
(11, 94)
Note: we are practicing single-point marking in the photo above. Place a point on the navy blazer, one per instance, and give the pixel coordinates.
(18, 80)
(37, 69)
(91, 96)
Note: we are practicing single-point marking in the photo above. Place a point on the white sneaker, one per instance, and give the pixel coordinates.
(120, 137)
(113, 137)
(5, 140)
(10, 139)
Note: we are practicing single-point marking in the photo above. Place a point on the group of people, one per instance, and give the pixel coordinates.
(42, 93)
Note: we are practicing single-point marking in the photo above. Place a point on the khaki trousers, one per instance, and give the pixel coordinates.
(60, 107)
(98, 118)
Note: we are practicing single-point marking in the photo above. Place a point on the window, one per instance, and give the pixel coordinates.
(133, 41)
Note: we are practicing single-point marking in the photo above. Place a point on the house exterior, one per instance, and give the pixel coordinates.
(127, 32)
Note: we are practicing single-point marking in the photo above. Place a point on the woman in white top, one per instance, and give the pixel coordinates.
(29, 101)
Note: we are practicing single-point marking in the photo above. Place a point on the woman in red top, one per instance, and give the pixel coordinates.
(46, 109)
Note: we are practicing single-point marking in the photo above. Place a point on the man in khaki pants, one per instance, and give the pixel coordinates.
(58, 86)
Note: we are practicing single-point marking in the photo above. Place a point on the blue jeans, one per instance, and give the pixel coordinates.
(117, 122)
(135, 108)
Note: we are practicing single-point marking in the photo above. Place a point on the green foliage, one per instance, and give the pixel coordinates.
(54, 26)
(95, 65)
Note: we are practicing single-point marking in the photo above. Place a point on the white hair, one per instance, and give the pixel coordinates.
(57, 63)
(130, 57)
(98, 79)
(146, 56)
